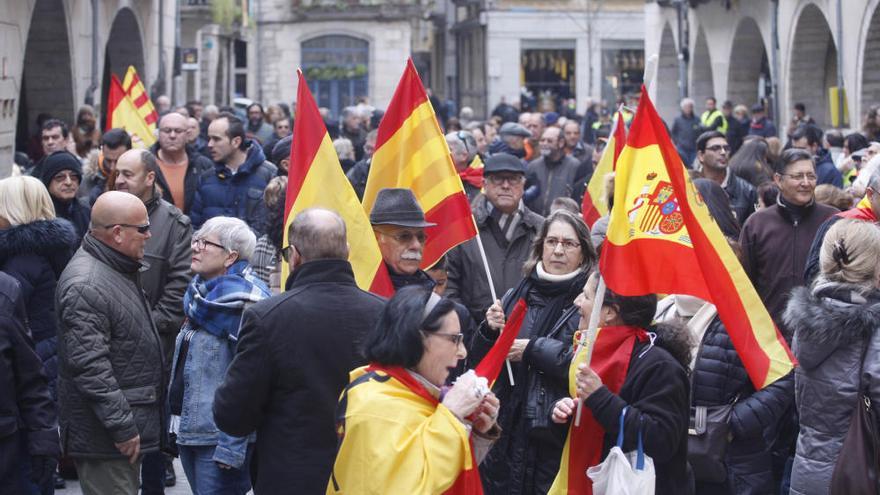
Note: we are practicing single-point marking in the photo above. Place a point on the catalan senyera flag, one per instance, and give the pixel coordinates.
(316, 180)
(123, 113)
(662, 239)
(411, 152)
(594, 205)
(135, 90)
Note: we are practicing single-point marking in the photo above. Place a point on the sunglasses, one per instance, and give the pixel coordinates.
(142, 229)
(406, 237)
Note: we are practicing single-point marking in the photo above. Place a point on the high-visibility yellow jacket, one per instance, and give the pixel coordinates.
(714, 120)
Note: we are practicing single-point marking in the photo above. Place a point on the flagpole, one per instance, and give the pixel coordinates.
(494, 295)
(592, 332)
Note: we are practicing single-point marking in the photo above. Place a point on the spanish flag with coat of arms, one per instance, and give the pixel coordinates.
(662, 240)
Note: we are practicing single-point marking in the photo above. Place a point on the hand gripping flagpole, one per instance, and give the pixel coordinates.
(494, 295)
(588, 341)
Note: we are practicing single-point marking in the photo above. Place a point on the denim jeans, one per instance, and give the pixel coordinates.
(206, 477)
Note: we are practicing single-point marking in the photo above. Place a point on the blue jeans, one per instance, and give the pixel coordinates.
(207, 478)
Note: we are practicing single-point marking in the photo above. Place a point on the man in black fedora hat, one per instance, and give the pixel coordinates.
(399, 224)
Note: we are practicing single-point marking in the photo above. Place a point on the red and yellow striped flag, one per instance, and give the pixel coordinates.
(124, 114)
(134, 90)
(316, 180)
(595, 205)
(662, 239)
(411, 152)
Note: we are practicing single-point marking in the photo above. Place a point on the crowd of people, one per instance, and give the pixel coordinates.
(143, 316)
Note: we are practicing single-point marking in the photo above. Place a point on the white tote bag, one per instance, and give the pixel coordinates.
(624, 474)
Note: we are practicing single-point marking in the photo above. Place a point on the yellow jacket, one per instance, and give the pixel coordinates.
(395, 441)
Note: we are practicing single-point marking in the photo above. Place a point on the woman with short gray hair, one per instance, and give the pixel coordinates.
(223, 286)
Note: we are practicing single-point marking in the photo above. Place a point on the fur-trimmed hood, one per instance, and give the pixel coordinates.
(92, 167)
(828, 316)
(674, 339)
(56, 240)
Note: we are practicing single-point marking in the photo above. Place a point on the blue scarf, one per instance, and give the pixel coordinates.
(216, 305)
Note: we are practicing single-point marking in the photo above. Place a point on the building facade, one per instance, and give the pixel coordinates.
(59, 54)
(777, 52)
(542, 53)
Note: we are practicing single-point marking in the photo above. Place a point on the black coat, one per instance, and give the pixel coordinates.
(78, 212)
(719, 378)
(656, 391)
(35, 254)
(526, 457)
(25, 403)
(294, 354)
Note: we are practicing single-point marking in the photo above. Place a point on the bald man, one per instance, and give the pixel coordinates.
(281, 371)
(180, 165)
(110, 356)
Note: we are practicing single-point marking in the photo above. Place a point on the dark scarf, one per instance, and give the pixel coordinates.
(558, 296)
(419, 278)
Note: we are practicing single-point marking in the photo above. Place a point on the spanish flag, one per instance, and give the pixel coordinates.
(662, 239)
(594, 205)
(411, 152)
(316, 180)
(123, 112)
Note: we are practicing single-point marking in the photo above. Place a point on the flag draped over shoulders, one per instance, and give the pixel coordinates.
(395, 437)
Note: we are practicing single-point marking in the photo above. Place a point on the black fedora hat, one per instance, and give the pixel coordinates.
(396, 206)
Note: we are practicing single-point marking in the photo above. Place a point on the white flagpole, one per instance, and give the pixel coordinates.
(589, 342)
(494, 295)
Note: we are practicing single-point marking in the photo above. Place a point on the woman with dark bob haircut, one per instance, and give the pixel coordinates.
(641, 367)
(526, 458)
(400, 431)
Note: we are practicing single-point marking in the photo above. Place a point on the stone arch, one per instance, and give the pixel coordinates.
(124, 48)
(47, 81)
(870, 66)
(702, 81)
(749, 65)
(813, 64)
(667, 72)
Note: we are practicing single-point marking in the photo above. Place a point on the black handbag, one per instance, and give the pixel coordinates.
(708, 439)
(856, 470)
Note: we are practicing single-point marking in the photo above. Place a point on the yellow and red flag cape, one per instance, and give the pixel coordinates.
(411, 152)
(129, 108)
(315, 179)
(595, 204)
(662, 239)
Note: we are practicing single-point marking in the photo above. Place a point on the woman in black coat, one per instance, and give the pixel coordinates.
(653, 394)
(526, 458)
(34, 249)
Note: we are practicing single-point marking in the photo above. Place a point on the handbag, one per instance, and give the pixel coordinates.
(624, 474)
(856, 470)
(708, 439)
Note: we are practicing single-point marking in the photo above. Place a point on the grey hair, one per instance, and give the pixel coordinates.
(455, 145)
(874, 180)
(685, 101)
(233, 234)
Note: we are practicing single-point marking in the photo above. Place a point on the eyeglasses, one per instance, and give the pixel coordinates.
(801, 177)
(62, 177)
(406, 237)
(719, 147)
(497, 180)
(567, 245)
(142, 229)
(200, 244)
(455, 338)
(286, 253)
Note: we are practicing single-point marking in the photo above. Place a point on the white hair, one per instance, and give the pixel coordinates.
(233, 233)
(863, 179)
(685, 102)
